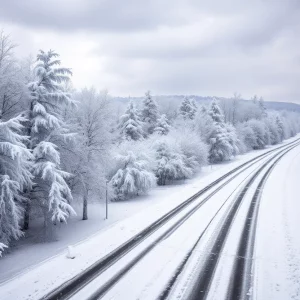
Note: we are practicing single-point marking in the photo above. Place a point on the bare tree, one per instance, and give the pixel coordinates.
(87, 161)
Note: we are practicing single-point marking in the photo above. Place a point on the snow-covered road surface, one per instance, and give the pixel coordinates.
(148, 281)
(153, 271)
(277, 250)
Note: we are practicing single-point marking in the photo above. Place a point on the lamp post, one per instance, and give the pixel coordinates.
(106, 202)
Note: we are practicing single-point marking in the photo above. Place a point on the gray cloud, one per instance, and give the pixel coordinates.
(102, 15)
(173, 46)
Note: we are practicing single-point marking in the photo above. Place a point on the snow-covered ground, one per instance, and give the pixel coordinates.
(277, 251)
(94, 238)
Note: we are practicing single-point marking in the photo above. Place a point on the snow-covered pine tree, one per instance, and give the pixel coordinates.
(204, 124)
(149, 113)
(262, 107)
(130, 125)
(271, 127)
(14, 177)
(222, 139)
(280, 127)
(194, 109)
(216, 113)
(134, 176)
(162, 126)
(46, 129)
(188, 109)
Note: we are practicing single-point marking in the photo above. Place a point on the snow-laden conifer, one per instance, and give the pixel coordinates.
(222, 140)
(188, 109)
(46, 128)
(162, 126)
(149, 113)
(280, 128)
(130, 125)
(14, 177)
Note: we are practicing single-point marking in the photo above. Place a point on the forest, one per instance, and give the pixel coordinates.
(60, 144)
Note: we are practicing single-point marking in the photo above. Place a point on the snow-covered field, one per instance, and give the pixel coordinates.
(122, 225)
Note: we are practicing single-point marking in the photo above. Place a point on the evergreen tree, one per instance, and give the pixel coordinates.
(216, 113)
(254, 99)
(130, 125)
(46, 128)
(280, 128)
(188, 109)
(162, 126)
(222, 139)
(194, 109)
(272, 128)
(261, 104)
(14, 177)
(149, 114)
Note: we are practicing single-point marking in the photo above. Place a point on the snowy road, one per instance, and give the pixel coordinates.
(277, 251)
(209, 272)
(143, 268)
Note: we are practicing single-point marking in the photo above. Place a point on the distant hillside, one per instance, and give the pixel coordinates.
(204, 100)
(282, 106)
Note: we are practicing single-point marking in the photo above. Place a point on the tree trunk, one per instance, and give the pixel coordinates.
(27, 190)
(85, 205)
(49, 228)
(26, 216)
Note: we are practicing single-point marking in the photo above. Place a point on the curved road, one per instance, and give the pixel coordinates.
(213, 231)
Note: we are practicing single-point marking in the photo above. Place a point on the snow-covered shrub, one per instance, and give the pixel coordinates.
(246, 136)
(291, 123)
(132, 175)
(203, 124)
(195, 151)
(170, 162)
(233, 139)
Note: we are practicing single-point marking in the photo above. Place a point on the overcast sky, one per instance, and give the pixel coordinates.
(214, 47)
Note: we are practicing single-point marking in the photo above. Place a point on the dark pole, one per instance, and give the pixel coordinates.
(106, 201)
